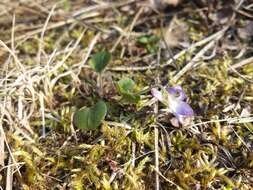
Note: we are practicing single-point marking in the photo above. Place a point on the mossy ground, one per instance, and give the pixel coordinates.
(45, 78)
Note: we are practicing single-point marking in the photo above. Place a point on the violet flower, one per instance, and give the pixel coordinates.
(174, 98)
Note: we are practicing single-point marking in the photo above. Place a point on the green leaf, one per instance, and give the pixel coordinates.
(90, 118)
(126, 85)
(148, 39)
(98, 113)
(143, 40)
(99, 61)
(126, 88)
(149, 42)
(130, 98)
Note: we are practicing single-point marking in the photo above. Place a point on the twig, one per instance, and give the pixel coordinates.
(241, 63)
(233, 120)
(152, 66)
(42, 109)
(133, 153)
(1, 145)
(13, 33)
(51, 177)
(114, 174)
(239, 4)
(9, 178)
(240, 138)
(6, 166)
(240, 75)
(157, 181)
(244, 14)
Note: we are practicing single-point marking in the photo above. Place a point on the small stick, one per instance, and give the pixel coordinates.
(241, 63)
(240, 75)
(42, 110)
(2, 147)
(9, 178)
(157, 181)
(133, 153)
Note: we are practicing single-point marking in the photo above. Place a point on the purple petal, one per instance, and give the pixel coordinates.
(177, 92)
(157, 94)
(182, 111)
(173, 99)
(182, 108)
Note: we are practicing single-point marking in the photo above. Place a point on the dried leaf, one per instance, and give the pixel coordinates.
(176, 33)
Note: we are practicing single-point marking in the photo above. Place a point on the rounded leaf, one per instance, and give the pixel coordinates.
(97, 113)
(90, 118)
(126, 85)
(99, 61)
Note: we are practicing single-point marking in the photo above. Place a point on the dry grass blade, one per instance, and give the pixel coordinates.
(19, 64)
(242, 63)
(41, 42)
(2, 149)
(157, 157)
(9, 179)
